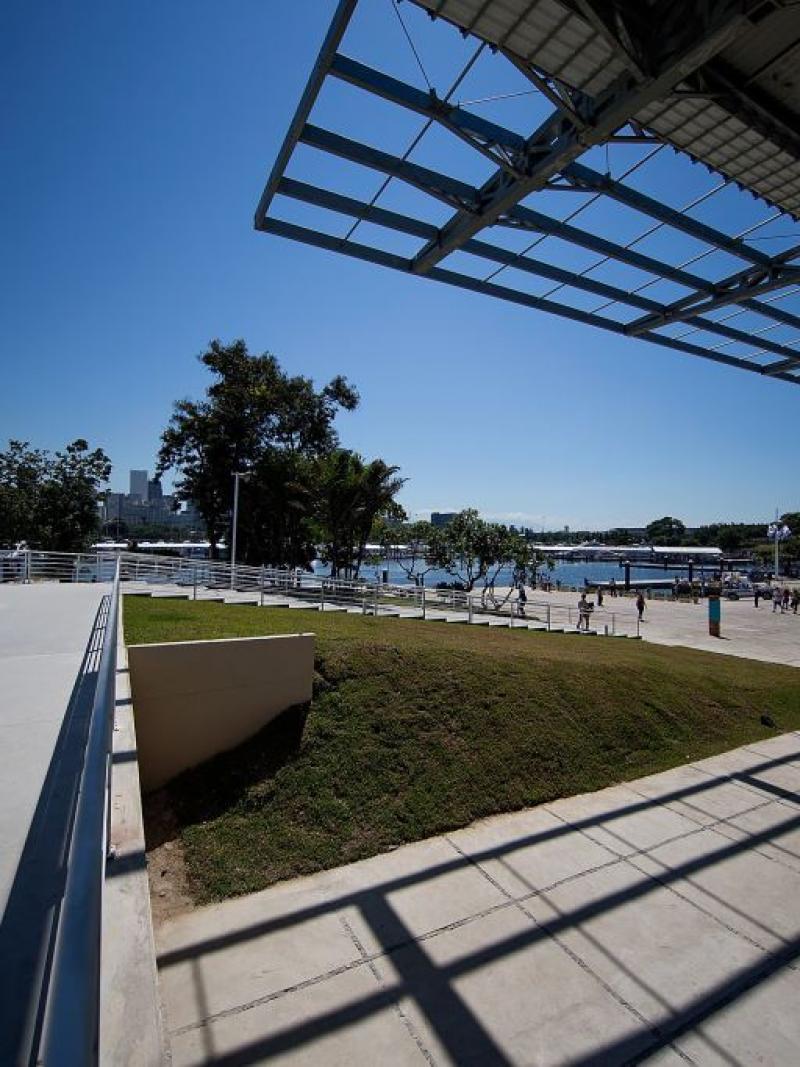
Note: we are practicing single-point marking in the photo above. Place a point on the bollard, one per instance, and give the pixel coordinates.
(714, 615)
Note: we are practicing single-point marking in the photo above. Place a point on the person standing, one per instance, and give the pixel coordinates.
(522, 598)
(756, 595)
(640, 605)
(777, 599)
(795, 599)
(584, 610)
(785, 600)
(599, 596)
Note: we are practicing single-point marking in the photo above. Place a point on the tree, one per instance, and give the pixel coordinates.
(665, 531)
(258, 418)
(420, 543)
(51, 500)
(351, 494)
(472, 550)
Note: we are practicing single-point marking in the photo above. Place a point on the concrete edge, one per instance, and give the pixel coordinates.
(132, 1031)
(223, 640)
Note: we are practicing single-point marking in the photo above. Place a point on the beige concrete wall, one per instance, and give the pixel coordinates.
(193, 699)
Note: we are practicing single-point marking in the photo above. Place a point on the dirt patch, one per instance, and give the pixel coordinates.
(166, 867)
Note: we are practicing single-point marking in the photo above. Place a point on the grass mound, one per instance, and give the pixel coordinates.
(418, 728)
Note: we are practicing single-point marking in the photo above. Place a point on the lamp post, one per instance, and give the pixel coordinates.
(237, 476)
(778, 531)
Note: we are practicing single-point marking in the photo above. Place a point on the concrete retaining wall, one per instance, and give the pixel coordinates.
(194, 699)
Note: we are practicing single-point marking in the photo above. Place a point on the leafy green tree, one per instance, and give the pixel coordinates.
(255, 418)
(51, 500)
(665, 531)
(472, 550)
(351, 494)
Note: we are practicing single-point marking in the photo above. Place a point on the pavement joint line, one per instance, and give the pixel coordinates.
(386, 952)
(734, 779)
(765, 755)
(669, 885)
(507, 903)
(571, 954)
(729, 825)
(397, 1006)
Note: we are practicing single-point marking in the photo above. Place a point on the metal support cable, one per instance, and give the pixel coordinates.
(695, 258)
(635, 241)
(387, 181)
(592, 199)
(411, 44)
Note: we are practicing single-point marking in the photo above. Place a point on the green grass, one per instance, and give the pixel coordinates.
(417, 728)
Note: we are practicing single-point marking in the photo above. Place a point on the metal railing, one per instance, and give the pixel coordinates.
(207, 579)
(72, 1015)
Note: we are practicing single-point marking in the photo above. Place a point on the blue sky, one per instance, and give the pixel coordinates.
(135, 140)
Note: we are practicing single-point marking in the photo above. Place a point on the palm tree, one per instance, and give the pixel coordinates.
(351, 493)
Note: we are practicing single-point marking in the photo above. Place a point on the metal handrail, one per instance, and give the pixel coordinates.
(72, 1018)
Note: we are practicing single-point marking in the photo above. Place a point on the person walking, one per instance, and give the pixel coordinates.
(795, 599)
(777, 599)
(640, 605)
(785, 600)
(599, 596)
(756, 595)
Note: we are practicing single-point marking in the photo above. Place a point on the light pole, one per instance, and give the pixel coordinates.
(778, 531)
(237, 475)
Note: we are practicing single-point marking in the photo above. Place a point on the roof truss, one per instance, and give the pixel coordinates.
(550, 158)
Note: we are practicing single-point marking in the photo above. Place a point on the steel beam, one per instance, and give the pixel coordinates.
(454, 192)
(492, 139)
(476, 285)
(449, 190)
(589, 180)
(346, 205)
(742, 289)
(557, 143)
(501, 146)
(336, 31)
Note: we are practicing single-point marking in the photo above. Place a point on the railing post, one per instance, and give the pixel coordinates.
(322, 594)
(194, 581)
(423, 603)
(27, 571)
(613, 623)
(262, 585)
(363, 601)
(548, 618)
(469, 606)
(375, 600)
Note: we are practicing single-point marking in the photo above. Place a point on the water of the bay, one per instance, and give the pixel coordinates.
(567, 573)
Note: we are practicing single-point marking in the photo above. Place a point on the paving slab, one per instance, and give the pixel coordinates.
(657, 921)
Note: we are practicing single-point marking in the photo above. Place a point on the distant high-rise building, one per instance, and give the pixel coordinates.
(139, 485)
(154, 490)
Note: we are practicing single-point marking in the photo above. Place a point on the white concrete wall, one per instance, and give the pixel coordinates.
(193, 699)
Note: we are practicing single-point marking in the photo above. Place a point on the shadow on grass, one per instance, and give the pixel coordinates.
(203, 793)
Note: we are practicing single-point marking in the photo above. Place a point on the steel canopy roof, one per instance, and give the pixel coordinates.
(739, 113)
(713, 79)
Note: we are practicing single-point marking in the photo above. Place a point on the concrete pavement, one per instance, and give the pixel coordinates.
(657, 920)
(46, 688)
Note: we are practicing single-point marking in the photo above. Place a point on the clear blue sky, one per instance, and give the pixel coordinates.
(136, 137)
